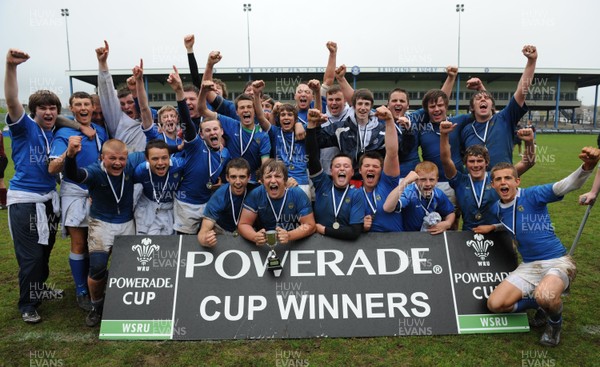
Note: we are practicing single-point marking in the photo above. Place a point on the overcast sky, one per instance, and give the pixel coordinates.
(285, 33)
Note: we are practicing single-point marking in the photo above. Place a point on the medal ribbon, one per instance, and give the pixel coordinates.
(285, 149)
(514, 216)
(162, 191)
(421, 197)
(98, 142)
(398, 129)
(363, 142)
(210, 171)
(479, 199)
(336, 208)
(46, 140)
(242, 148)
(117, 199)
(278, 217)
(373, 207)
(236, 221)
(484, 134)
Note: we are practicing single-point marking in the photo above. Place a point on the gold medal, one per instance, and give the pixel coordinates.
(478, 216)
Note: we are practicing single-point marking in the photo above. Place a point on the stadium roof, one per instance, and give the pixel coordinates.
(581, 77)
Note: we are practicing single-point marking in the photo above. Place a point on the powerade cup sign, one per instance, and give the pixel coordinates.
(383, 284)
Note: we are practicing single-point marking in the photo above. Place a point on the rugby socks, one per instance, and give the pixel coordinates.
(525, 304)
(79, 270)
(555, 318)
(2, 197)
(98, 304)
(556, 323)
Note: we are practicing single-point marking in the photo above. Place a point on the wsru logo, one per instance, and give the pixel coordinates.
(145, 251)
(481, 248)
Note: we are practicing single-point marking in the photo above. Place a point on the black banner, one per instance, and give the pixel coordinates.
(412, 283)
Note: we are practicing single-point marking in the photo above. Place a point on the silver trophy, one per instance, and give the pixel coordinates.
(274, 264)
(430, 220)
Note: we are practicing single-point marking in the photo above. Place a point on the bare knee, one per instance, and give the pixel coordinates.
(548, 299)
(78, 239)
(504, 297)
(548, 293)
(498, 304)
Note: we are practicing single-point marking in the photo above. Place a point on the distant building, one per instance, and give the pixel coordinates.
(553, 89)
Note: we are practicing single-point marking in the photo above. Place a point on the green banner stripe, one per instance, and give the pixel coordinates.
(516, 329)
(135, 336)
(496, 314)
(493, 331)
(487, 323)
(136, 327)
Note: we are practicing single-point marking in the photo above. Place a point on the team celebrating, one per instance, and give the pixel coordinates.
(333, 163)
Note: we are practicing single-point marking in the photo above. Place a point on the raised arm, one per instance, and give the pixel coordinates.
(258, 86)
(528, 160)
(14, 58)
(531, 54)
(71, 171)
(132, 86)
(111, 107)
(446, 127)
(391, 163)
(329, 76)
(189, 41)
(145, 113)
(188, 127)
(451, 73)
(176, 84)
(340, 76)
(475, 84)
(315, 117)
(392, 200)
(315, 86)
(274, 112)
(102, 56)
(208, 86)
(213, 58)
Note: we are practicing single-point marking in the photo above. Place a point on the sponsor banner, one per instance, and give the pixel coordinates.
(497, 323)
(383, 284)
(141, 285)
